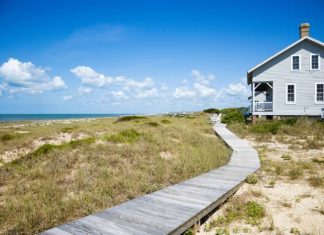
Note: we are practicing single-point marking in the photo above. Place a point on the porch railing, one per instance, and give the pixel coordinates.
(262, 106)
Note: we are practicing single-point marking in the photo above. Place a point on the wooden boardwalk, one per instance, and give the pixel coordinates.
(176, 208)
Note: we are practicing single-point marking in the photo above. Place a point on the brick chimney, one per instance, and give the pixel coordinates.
(304, 30)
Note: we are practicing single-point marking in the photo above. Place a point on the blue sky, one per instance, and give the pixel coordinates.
(140, 56)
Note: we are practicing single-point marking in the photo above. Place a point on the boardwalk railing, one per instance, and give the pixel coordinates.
(176, 208)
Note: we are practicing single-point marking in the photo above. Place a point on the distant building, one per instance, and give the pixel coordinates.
(291, 82)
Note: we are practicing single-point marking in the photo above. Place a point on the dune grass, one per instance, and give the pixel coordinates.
(117, 161)
(303, 132)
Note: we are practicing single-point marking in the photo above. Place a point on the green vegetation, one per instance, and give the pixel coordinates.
(165, 121)
(211, 110)
(233, 115)
(252, 179)
(249, 211)
(54, 184)
(6, 137)
(125, 136)
(152, 124)
(302, 133)
(69, 129)
(130, 118)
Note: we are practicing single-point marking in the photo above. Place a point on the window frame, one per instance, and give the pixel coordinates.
(295, 93)
(310, 62)
(292, 62)
(315, 98)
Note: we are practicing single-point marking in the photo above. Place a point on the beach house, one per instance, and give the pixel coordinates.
(291, 82)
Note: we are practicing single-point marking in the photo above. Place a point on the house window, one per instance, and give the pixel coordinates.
(315, 62)
(295, 62)
(291, 93)
(319, 93)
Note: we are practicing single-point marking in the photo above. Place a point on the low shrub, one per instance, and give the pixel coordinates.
(250, 211)
(125, 136)
(251, 179)
(316, 181)
(211, 110)
(152, 124)
(266, 127)
(255, 212)
(7, 137)
(129, 118)
(232, 116)
(81, 142)
(165, 121)
(69, 129)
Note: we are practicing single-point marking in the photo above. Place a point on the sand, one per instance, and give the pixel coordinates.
(292, 207)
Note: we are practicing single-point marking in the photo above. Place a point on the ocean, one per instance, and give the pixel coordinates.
(36, 117)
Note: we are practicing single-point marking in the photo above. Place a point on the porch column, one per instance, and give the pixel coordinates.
(253, 88)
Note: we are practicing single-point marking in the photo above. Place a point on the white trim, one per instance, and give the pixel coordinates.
(253, 93)
(310, 62)
(295, 93)
(315, 97)
(291, 62)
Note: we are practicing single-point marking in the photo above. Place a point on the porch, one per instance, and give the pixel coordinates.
(262, 97)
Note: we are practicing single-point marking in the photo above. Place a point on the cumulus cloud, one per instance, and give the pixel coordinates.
(202, 79)
(84, 90)
(148, 93)
(204, 91)
(26, 77)
(119, 95)
(90, 77)
(67, 97)
(237, 89)
(183, 92)
(137, 85)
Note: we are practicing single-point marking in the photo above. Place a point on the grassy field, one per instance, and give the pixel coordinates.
(114, 161)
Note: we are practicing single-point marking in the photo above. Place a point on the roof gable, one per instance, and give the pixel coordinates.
(250, 72)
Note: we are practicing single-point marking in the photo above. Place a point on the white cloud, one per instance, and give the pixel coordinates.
(204, 91)
(164, 87)
(202, 79)
(84, 90)
(237, 89)
(129, 84)
(26, 77)
(183, 92)
(119, 95)
(90, 77)
(148, 93)
(67, 97)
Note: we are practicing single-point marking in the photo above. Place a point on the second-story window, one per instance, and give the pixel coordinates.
(295, 62)
(315, 62)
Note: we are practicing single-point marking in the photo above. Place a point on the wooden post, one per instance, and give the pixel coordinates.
(253, 88)
(254, 118)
